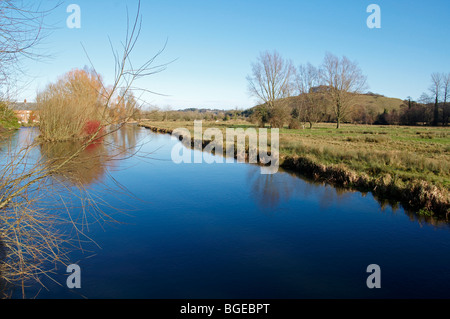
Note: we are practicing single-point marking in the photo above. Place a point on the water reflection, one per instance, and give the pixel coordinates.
(268, 190)
(55, 212)
(86, 168)
(125, 140)
(91, 165)
(271, 192)
(291, 252)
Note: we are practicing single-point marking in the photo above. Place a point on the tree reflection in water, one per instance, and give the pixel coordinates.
(92, 164)
(272, 191)
(42, 226)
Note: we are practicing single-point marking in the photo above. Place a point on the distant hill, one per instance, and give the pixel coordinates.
(371, 103)
(202, 110)
(378, 103)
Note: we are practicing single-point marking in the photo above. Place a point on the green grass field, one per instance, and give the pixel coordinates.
(407, 152)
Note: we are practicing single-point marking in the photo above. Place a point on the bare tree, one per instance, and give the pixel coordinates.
(308, 77)
(344, 79)
(271, 80)
(445, 86)
(437, 81)
(445, 94)
(312, 100)
(425, 98)
(22, 28)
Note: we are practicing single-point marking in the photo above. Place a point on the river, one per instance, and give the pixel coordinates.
(226, 231)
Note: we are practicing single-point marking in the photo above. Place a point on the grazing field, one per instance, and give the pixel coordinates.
(408, 152)
(411, 164)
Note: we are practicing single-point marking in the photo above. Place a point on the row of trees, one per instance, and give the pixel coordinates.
(440, 84)
(190, 114)
(415, 113)
(331, 92)
(432, 108)
(335, 83)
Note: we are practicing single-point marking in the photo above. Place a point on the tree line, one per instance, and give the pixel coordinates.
(331, 92)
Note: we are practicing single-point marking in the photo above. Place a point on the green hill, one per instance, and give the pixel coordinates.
(366, 109)
(378, 103)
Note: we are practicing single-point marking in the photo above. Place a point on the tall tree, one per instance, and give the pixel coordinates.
(271, 80)
(445, 95)
(409, 99)
(312, 103)
(435, 89)
(344, 79)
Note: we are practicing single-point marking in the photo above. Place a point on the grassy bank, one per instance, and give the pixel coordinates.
(408, 164)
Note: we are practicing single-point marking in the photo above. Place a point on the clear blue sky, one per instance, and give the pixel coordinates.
(215, 42)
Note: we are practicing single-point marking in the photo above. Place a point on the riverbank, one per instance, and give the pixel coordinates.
(406, 164)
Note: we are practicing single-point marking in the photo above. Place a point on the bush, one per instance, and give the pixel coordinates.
(294, 124)
(68, 105)
(8, 119)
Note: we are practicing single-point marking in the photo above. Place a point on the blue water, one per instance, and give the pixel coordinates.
(226, 231)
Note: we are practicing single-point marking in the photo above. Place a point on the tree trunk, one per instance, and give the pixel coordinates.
(444, 109)
(436, 112)
(338, 113)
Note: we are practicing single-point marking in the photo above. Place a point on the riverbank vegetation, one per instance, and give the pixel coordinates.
(45, 206)
(69, 104)
(79, 104)
(409, 164)
(8, 120)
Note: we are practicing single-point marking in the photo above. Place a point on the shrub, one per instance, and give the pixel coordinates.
(8, 119)
(294, 124)
(68, 105)
(91, 127)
